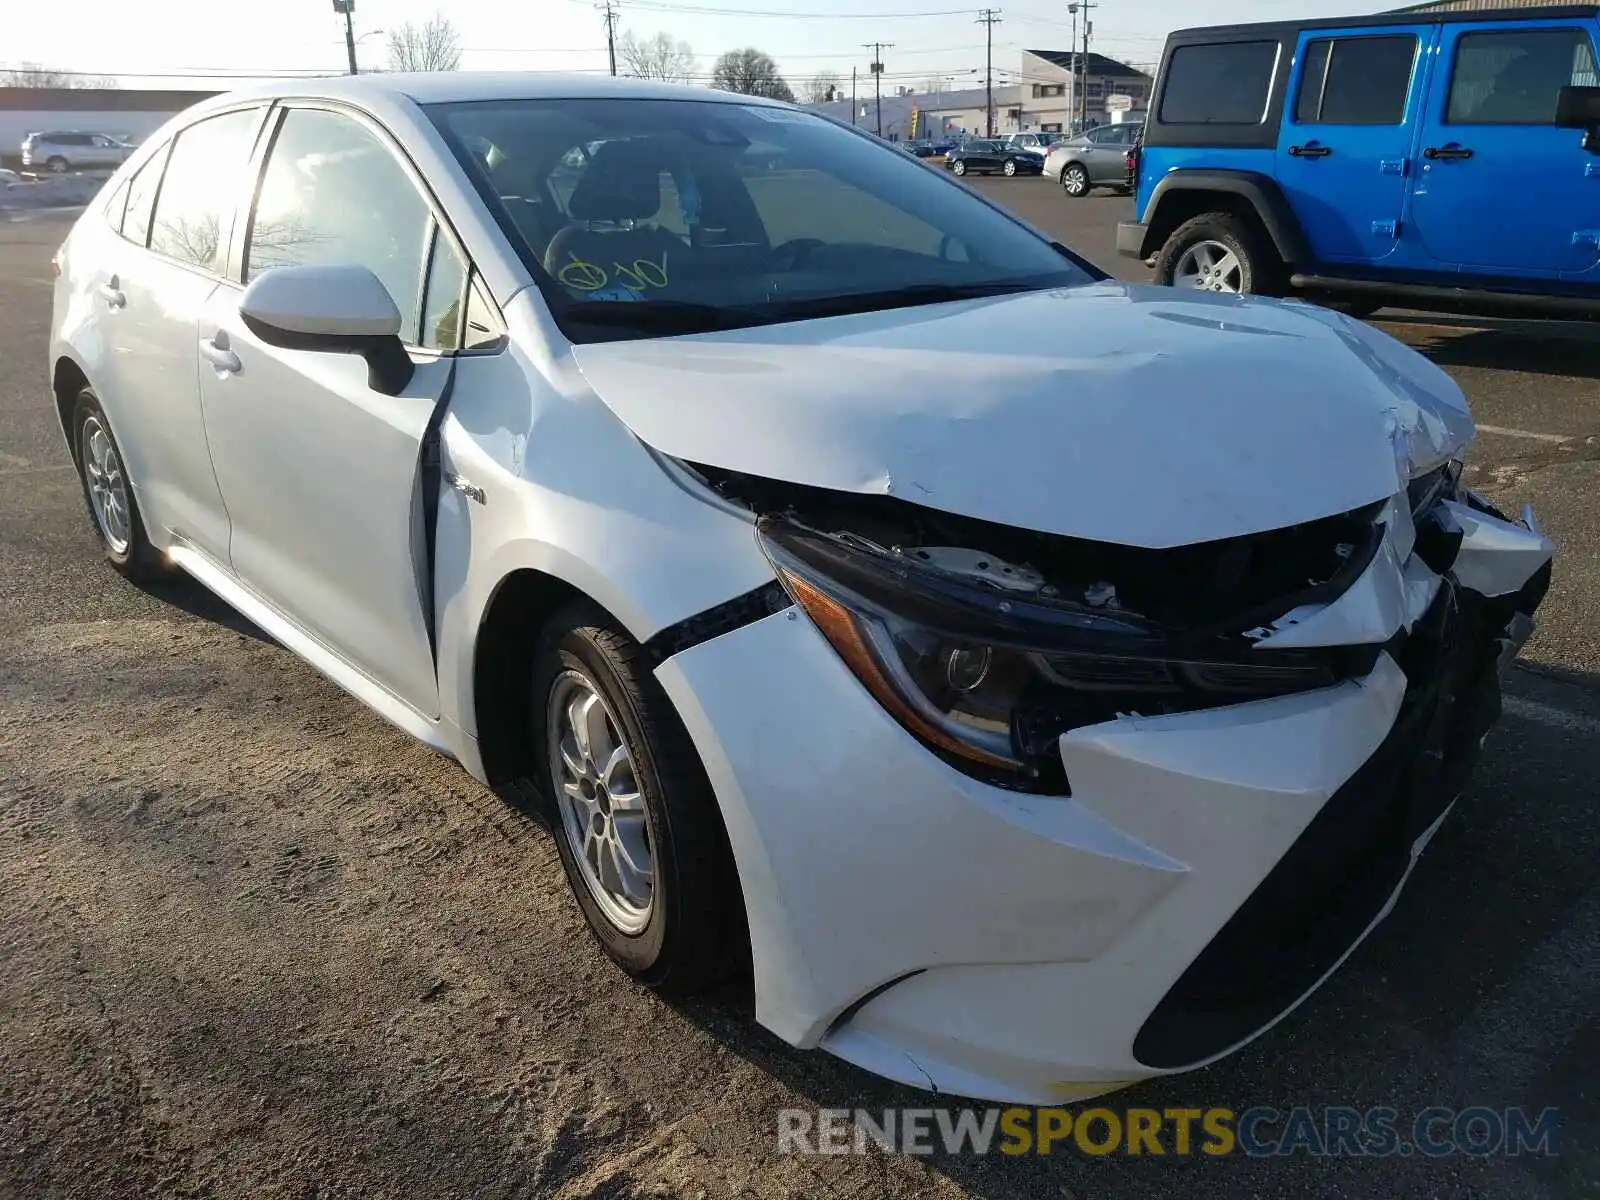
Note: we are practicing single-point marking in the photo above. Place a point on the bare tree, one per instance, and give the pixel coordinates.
(751, 73)
(821, 88)
(432, 47)
(661, 57)
(32, 75)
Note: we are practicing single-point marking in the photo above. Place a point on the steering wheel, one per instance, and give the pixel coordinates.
(796, 252)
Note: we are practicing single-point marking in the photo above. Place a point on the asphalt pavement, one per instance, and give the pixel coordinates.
(256, 943)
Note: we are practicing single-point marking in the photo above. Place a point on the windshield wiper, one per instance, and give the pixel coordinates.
(656, 316)
(840, 304)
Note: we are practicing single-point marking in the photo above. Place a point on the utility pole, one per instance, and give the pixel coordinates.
(348, 8)
(609, 7)
(877, 49)
(1082, 81)
(989, 19)
(852, 95)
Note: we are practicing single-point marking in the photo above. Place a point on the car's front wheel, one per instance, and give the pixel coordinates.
(113, 508)
(959, 167)
(1219, 252)
(1010, 167)
(1075, 181)
(635, 820)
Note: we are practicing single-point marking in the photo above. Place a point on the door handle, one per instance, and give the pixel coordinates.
(1309, 150)
(1448, 153)
(215, 351)
(112, 294)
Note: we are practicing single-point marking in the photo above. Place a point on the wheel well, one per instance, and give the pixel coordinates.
(501, 663)
(1179, 206)
(67, 382)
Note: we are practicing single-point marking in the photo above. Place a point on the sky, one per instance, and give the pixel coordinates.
(180, 43)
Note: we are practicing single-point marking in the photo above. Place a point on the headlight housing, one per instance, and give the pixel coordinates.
(989, 678)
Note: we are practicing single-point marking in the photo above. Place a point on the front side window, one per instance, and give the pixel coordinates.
(194, 208)
(706, 215)
(1226, 83)
(1515, 77)
(1356, 81)
(334, 194)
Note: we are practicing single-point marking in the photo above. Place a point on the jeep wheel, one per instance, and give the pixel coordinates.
(1075, 181)
(1219, 252)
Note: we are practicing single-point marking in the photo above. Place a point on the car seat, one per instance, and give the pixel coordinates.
(608, 242)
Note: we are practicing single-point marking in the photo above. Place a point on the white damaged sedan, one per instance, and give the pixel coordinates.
(1037, 683)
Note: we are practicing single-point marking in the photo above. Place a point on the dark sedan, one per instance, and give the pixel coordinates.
(986, 157)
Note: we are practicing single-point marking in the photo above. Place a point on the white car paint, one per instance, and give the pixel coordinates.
(337, 301)
(932, 405)
(1008, 945)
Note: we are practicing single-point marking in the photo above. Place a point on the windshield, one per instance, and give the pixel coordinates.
(645, 217)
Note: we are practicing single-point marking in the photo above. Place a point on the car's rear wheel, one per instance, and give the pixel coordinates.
(959, 167)
(1075, 181)
(636, 823)
(1011, 166)
(108, 492)
(57, 165)
(1219, 252)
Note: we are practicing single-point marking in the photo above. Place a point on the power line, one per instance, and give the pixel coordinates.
(989, 19)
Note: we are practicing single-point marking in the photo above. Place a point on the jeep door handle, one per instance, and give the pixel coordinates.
(1449, 153)
(1311, 150)
(215, 351)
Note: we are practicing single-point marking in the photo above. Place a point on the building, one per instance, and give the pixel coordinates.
(1043, 98)
(1048, 82)
(130, 113)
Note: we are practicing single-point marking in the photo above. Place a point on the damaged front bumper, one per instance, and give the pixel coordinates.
(1207, 870)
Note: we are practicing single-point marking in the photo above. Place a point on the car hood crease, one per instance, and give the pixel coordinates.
(1111, 412)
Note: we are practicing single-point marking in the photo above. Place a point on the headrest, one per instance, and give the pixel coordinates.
(619, 184)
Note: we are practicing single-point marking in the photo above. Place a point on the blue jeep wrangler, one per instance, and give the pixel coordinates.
(1443, 157)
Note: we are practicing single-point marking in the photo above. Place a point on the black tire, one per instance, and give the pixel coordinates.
(696, 931)
(959, 167)
(137, 559)
(1261, 270)
(1010, 167)
(1075, 181)
(58, 165)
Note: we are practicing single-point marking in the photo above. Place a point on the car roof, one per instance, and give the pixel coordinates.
(1424, 14)
(458, 87)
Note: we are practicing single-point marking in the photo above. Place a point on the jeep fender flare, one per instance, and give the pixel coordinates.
(1260, 192)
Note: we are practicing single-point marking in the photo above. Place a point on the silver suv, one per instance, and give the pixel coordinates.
(72, 151)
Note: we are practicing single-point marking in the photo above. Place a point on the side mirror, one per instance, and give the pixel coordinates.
(1579, 108)
(340, 310)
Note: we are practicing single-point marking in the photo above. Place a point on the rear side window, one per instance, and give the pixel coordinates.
(1228, 83)
(142, 190)
(1515, 77)
(1356, 81)
(194, 210)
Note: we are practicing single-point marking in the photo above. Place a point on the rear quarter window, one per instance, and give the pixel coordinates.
(1224, 83)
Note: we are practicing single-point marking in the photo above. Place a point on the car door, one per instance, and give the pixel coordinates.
(1500, 190)
(1108, 154)
(320, 471)
(151, 286)
(1345, 144)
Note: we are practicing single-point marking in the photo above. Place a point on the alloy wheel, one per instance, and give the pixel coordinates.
(108, 486)
(1209, 266)
(601, 806)
(1075, 180)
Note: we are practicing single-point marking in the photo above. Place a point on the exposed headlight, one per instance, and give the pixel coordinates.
(989, 679)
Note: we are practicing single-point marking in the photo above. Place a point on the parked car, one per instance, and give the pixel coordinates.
(1029, 718)
(1098, 158)
(1434, 160)
(73, 151)
(984, 157)
(1033, 143)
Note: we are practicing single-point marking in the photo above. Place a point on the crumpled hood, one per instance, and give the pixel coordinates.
(1113, 412)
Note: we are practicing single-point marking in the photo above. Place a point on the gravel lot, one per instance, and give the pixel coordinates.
(258, 944)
